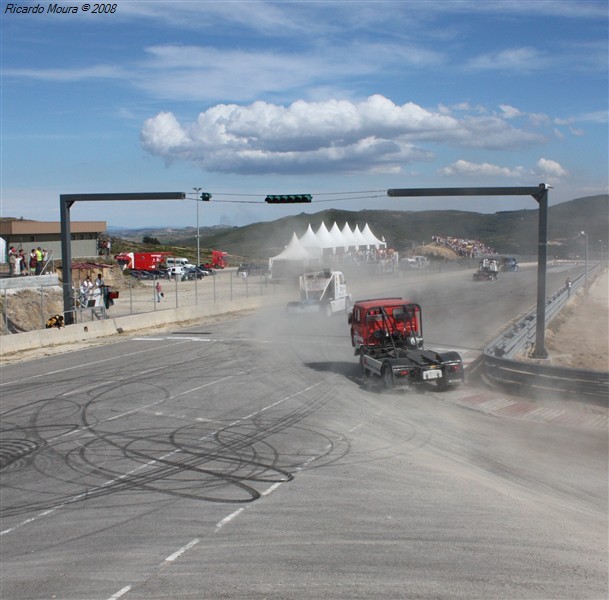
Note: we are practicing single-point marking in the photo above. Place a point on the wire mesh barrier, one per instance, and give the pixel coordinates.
(30, 309)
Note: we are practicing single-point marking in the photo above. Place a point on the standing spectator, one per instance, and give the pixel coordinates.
(39, 260)
(85, 290)
(12, 261)
(21, 266)
(159, 291)
(99, 291)
(33, 262)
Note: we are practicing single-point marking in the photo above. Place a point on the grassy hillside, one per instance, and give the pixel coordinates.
(512, 232)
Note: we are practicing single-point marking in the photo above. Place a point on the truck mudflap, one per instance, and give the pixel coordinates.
(454, 373)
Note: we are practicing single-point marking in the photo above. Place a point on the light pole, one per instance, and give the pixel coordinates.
(602, 248)
(197, 190)
(585, 261)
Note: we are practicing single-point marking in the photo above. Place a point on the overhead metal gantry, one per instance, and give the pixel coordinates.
(540, 193)
(65, 204)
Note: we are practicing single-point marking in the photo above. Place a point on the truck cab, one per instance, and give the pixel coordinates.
(372, 323)
(487, 271)
(219, 259)
(387, 334)
(322, 291)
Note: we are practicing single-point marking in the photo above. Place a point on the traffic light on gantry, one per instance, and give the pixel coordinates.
(289, 199)
(205, 196)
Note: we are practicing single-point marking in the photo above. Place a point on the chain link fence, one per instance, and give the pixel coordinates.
(28, 309)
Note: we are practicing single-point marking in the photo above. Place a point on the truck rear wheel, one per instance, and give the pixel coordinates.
(387, 377)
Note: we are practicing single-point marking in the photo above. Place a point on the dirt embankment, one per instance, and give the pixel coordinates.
(579, 336)
(29, 309)
(25, 310)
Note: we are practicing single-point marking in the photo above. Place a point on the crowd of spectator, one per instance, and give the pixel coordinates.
(20, 263)
(384, 260)
(465, 248)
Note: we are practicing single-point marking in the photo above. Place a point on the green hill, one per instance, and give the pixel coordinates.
(508, 232)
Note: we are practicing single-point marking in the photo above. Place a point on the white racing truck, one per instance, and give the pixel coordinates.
(322, 291)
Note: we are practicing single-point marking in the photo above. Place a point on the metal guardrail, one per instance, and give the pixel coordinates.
(500, 366)
(591, 386)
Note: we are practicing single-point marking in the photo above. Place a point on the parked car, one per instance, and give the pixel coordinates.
(135, 273)
(147, 273)
(195, 273)
(251, 269)
(177, 273)
(208, 269)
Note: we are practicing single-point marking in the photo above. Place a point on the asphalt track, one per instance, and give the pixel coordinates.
(247, 459)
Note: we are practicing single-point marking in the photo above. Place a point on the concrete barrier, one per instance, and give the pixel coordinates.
(31, 282)
(70, 334)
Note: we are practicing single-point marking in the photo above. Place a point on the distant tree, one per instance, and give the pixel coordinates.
(150, 240)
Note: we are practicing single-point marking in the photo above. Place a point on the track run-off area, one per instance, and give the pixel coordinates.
(247, 458)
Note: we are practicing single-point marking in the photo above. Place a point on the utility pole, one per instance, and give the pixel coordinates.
(582, 233)
(197, 190)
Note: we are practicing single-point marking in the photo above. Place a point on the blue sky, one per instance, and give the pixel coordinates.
(342, 100)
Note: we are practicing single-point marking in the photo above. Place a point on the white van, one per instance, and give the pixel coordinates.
(173, 261)
(177, 272)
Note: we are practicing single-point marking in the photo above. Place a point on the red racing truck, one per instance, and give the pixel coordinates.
(387, 334)
(219, 260)
(141, 261)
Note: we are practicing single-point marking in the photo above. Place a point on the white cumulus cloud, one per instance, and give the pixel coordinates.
(544, 168)
(464, 167)
(551, 168)
(339, 136)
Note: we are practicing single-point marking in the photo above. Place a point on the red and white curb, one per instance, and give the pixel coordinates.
(506, 406)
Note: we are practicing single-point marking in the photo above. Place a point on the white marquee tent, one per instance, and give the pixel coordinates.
(310, 246)
(349, 236)
(359, 238)
(293, 251)
(372, 239)
(338, 237)
(324, 237)
(311, 242)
